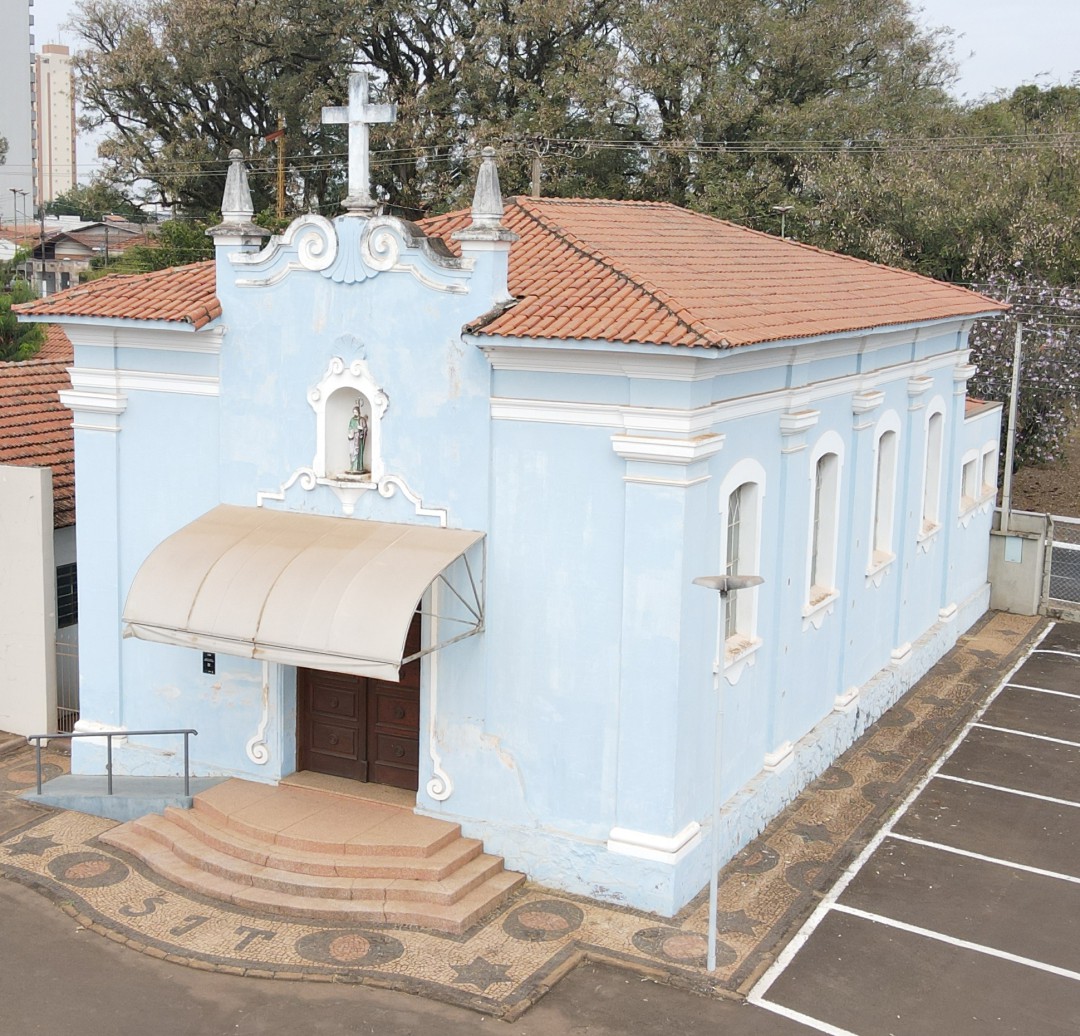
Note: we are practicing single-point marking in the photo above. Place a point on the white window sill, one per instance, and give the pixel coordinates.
(822, 600)
(879, 567)
(740, 653)
(929, 533)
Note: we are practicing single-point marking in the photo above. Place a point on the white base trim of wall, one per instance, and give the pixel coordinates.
(644, 872)
(669, 849)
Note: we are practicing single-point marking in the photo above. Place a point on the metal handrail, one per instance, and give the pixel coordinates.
(109, 735)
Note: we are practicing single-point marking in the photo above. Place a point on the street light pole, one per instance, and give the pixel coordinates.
(723, 585)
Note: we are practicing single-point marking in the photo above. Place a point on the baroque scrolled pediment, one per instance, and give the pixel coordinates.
(350, 250)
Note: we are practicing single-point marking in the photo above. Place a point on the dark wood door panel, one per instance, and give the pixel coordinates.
(331, 734)
(367, 730)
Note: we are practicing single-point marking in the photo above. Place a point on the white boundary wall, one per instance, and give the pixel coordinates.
(27, 601)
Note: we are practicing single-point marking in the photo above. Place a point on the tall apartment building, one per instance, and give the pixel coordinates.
(54, 86)
(17, 191)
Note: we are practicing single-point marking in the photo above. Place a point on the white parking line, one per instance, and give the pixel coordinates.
(811, 1023)
(828, 902)
(1054, 651)
(1008, 791)
(1042, 690)
(989, 951)
(1012, 864)
(1024, 733)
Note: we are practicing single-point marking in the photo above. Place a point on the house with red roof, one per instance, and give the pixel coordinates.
(423, 506)
(39, 604)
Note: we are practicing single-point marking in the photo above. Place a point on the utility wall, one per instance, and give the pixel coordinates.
(27, 601)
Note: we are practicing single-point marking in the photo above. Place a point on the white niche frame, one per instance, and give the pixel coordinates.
(332, 400)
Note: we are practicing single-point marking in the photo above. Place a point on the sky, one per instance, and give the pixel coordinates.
(1001, 44)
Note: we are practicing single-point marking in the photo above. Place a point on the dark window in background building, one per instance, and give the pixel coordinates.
(67, 596)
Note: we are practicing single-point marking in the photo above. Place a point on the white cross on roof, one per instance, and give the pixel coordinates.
(359, 115)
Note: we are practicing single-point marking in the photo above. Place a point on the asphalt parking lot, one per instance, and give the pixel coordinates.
(961, 916)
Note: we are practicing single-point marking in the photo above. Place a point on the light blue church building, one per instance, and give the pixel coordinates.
(422, 505)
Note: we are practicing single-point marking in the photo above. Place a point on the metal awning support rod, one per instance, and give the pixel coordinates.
(472, 611)
(188, 732)
(478, 628)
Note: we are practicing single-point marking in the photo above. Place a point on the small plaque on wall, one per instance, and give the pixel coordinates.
(209, 662)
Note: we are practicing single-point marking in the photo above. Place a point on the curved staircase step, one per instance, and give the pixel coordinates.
(388, 901)
(316, 821)
(191, 850)
(435, 867)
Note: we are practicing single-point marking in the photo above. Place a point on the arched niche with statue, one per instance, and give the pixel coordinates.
(349, 407)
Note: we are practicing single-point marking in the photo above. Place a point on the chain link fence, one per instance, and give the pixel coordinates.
(1065, 561)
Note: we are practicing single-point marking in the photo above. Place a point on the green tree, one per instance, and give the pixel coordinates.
(974, 192)
(615, 96)
(177, 243)
(17, 341)
(93, 201)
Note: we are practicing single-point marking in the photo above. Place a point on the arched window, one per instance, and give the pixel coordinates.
(884, 504)
(741, 495)
(824, 515)
(931, 509)
(741, 532)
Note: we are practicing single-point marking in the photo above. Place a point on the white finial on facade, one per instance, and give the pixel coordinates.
(359, 115)
(236, 205)
(487, 206)
(237, 209)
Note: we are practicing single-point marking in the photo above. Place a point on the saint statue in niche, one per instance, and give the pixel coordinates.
(358, 432)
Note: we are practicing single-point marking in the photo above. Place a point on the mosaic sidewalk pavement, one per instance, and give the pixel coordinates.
(504, 965)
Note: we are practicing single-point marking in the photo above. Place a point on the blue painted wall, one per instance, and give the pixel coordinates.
(577, 731)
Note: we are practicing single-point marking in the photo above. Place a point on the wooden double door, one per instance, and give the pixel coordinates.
(364, 729)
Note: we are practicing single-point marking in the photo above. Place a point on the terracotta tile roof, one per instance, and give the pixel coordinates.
(57, 346)
(36, 429)
(642, 272)
(649, 272)
(180, 294)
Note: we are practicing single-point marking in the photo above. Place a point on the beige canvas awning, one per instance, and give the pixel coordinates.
(307, 590)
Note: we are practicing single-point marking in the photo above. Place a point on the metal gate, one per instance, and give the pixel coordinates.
(1063, 577)
(67, 678)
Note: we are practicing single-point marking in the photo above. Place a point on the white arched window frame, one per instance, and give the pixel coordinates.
(883, 502)
(969, 481)
(826, 464)
(989, 471)
(932, 464)
(741, 497)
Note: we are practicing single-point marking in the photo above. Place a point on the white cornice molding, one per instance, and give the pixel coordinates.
(682, 363)
(666, 365)
(666, 451)
(697, 421)
(865, 402)
(628, 420)
(181, 338)
(116, 383)
(93, 403)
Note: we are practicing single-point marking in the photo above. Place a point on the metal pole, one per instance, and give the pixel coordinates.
(187, 780)
(38, 743)
(718, 772)
(1010, 437)
(108, 764)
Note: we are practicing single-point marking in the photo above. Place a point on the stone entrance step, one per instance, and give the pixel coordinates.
(302, 852)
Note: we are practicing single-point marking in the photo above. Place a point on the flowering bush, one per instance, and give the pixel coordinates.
(1049, 371)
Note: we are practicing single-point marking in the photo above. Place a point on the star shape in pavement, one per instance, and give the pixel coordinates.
(481, 973)
(812, 832)
(736, 921)
(30, 846)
